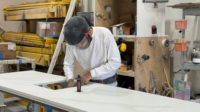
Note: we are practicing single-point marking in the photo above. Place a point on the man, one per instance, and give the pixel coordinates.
(94, 48)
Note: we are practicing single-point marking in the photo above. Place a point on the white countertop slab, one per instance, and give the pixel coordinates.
(93, 98)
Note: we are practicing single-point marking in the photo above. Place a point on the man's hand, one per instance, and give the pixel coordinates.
(85, 78)
(70, 83)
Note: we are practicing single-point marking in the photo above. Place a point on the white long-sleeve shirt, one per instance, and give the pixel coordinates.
(101, 58)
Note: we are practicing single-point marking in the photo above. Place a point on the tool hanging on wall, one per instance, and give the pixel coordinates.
(165, 56)
(143, 58)
(122, 45)
(101, 16)
(180, 44)
(1, 31)
(141, 88)
(152, 85)
(181, 25)
(165, 43)
(151, 42)
(167, 89)
(108, 9)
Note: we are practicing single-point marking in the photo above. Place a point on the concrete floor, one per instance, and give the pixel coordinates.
(14, 107)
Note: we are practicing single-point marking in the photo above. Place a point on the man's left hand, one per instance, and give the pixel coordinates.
(85, 78)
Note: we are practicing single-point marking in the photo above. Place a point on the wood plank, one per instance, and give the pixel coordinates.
(156, 63)
(129, 73)
(185, 5)
(126, 38)
(39, 16)
(36, 49)
(16, 17)
(31, 6)
(58, 11)
(40, 59)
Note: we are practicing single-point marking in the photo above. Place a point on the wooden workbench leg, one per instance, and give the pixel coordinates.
(2, 105)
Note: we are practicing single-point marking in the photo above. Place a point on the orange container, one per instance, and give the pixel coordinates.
(123, 67)
(181, 46)
(181, 24)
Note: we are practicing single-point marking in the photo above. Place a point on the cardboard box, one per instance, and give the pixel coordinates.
(126, 30)
(49, 29)
(121, 29)
(7, 50)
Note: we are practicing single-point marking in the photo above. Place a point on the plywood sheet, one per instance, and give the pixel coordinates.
(156, 63)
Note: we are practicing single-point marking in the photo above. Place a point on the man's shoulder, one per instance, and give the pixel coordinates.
(103, 34)
(104, 29)
(71, 47)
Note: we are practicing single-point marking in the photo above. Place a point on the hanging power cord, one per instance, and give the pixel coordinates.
(167, 88)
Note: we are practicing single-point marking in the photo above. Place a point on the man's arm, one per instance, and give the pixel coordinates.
(69, 63)
(114, 59)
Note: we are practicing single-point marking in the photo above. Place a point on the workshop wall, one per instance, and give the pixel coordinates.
(163, 17)
(147, 16)
(192, 34)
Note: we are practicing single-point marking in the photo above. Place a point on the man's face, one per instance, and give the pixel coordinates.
(86, 40)
(83, 43)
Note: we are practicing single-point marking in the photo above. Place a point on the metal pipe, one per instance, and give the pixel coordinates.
(85, 5)
(182, 53)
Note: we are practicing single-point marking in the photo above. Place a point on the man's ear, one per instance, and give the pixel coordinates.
(90, 31)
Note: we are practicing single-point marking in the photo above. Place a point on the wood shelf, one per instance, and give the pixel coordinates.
(125, 36)
(129, 38)
(129, 73)
(191, 66)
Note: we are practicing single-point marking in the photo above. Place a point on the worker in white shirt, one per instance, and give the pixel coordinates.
(94, 48)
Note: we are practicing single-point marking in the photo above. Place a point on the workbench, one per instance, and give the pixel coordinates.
(93, 98)
(19, 60)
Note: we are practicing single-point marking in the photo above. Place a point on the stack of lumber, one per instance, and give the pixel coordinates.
(37, 10)
(32, 46)
(28, 39)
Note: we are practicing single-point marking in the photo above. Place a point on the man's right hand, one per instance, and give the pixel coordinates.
(70, 83)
